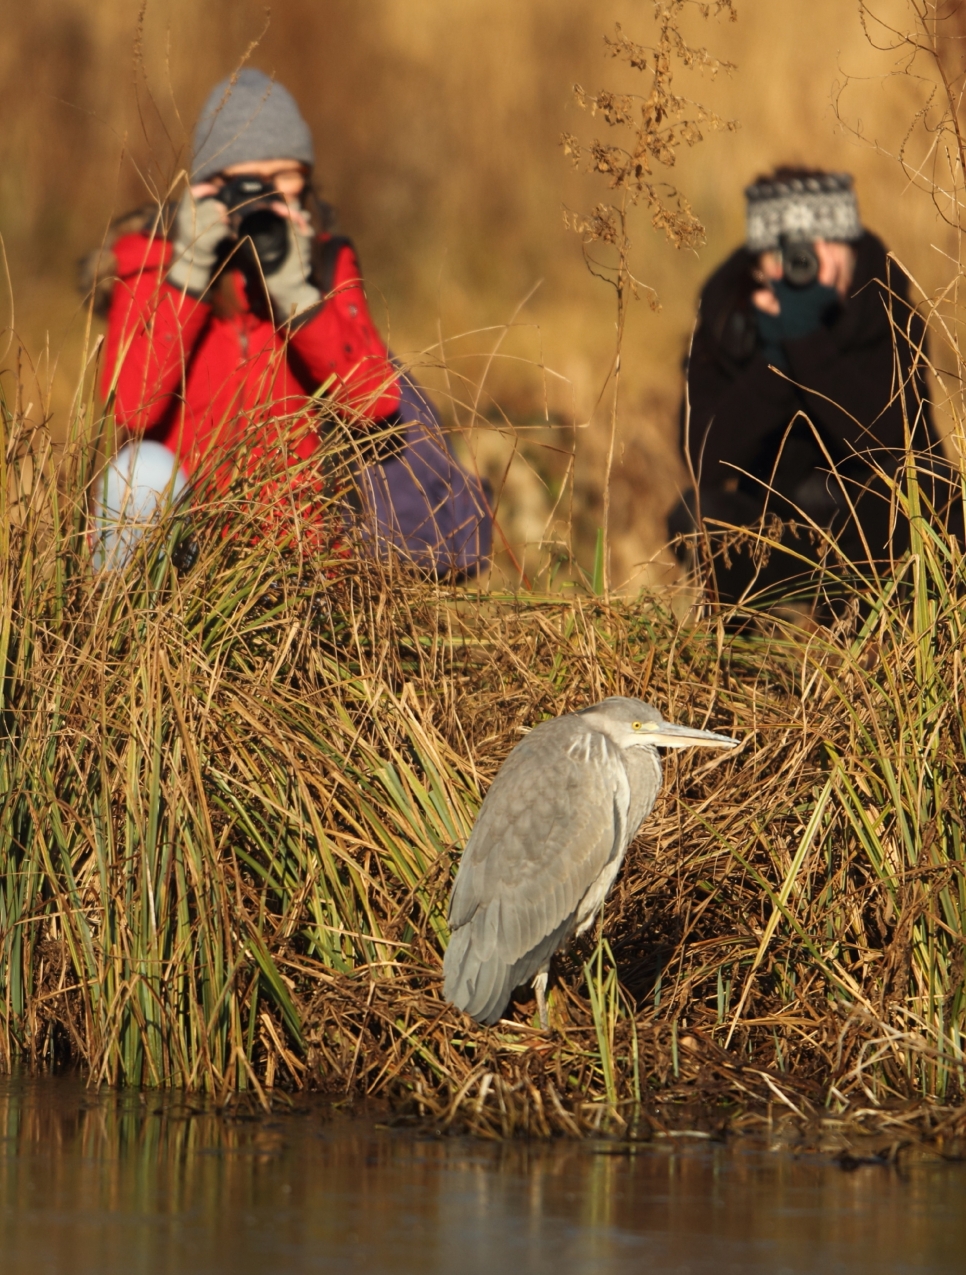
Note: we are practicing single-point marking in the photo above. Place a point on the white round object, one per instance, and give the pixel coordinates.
(140, 484)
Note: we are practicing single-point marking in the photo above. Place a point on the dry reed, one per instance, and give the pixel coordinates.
(232, 800)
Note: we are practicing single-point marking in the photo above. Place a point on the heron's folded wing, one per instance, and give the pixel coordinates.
(553, 818)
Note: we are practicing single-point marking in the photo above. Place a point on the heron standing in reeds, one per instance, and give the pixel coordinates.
(548, 843)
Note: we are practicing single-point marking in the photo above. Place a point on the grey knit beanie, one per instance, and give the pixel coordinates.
(253, 118)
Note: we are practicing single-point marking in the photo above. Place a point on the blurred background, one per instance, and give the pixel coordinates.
(437, 128)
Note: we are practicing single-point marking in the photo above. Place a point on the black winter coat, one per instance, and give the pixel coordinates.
(844, 372)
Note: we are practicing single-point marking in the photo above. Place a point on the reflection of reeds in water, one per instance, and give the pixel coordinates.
(233, 799)
(107, 1182)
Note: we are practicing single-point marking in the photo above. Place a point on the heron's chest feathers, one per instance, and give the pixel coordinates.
(632, 775)
(590, 904)
(633, 801)
(644, 778)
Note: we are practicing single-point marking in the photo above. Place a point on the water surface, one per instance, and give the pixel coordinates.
(110, 1183)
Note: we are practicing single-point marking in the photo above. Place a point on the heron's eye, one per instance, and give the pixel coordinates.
(637, 725)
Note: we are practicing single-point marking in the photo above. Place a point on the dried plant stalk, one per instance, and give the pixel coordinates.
(650, 129)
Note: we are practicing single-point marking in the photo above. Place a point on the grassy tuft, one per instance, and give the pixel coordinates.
(232, 800)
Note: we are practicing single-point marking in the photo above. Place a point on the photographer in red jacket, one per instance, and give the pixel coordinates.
(807, 355)
(221, 334)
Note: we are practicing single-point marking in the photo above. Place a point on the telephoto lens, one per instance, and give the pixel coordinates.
(799, 262)
(252, 204)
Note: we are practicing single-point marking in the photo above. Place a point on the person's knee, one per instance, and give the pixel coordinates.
(137, 487)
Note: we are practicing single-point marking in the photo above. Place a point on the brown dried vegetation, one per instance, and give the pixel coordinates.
(233, 801)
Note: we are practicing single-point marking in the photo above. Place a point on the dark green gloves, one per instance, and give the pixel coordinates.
(802, 311)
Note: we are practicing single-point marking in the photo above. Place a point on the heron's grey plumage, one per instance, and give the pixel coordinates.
(548, 842)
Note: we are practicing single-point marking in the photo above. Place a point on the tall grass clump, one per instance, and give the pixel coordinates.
(193, 770)
(232, 798)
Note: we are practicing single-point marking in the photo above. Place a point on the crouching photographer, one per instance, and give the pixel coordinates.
(224, 332)
(805, 372)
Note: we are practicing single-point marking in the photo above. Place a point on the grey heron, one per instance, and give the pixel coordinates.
(547, 844)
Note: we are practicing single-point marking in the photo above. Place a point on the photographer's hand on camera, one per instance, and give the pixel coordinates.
(200, 226)
(788, 311)
(289, 286)
(799, 312)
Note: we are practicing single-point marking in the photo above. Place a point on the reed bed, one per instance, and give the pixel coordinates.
(232, 799)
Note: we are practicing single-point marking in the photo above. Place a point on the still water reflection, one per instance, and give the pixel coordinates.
(116, 1183)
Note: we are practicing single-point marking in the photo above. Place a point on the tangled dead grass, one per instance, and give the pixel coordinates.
(232, 799)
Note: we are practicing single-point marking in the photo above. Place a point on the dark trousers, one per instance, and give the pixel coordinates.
(854, 509)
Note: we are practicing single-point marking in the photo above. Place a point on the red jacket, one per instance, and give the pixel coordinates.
(217, 390)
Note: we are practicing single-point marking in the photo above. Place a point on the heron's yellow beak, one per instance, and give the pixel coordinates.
(667, 735)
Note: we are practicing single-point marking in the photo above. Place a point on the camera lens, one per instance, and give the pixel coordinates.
(262, 233)
(799, 263)
(268, 234)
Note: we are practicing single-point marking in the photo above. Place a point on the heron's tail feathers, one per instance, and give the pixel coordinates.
(478, 979)
(478, 986)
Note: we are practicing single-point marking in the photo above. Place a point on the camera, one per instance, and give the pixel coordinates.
(799, 262)
(253, 215)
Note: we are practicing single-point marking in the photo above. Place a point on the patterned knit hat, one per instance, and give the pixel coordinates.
(813, 206)
(253, 118)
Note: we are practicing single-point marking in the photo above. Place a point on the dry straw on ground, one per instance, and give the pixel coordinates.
(233, 799)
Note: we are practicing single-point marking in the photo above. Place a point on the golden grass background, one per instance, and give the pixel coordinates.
(437, 129)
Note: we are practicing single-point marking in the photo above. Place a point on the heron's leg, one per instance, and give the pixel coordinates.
(540, 987)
